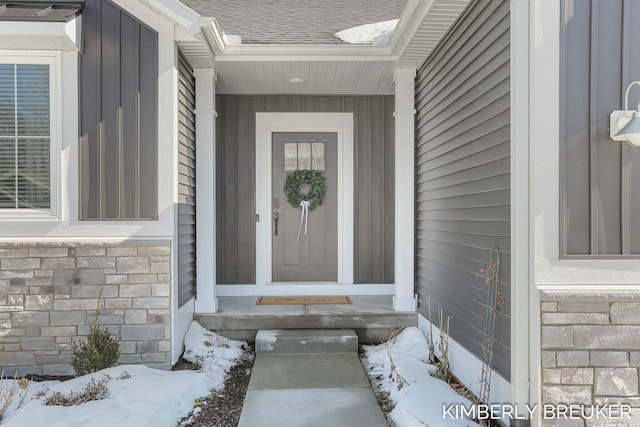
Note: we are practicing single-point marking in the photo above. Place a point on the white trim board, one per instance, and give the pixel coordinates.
(29, 35)
(522, 308)
(340, 123)
(467, 367)
(181, 318)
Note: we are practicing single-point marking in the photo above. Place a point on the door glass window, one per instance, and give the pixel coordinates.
(307, 155)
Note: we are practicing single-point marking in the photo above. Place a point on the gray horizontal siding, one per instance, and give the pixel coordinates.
(600, 178)
(463, 175)
(118, 116)
(186, 182)
(374, 183)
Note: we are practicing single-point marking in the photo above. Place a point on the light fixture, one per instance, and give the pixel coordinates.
(296, 80)
(624, 125)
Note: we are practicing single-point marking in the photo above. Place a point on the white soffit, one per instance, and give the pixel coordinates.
(318, 77)
(439, 18)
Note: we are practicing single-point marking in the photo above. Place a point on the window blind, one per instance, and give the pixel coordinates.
(25, 170)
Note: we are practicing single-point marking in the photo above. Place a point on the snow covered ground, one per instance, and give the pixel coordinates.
(142, 397)
(137, 396)
(400, 367)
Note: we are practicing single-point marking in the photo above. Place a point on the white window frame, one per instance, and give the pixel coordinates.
(54, 61)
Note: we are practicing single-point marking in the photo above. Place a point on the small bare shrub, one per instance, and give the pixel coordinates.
(432, 349)
(395, 376)
(94, 390)
(42, 392)
(444, 367)
(17, 389)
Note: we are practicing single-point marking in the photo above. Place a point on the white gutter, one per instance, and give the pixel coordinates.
(204, 29)
(212, 33)
(177, 12)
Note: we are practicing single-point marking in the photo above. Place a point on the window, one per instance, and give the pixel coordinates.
(25, 134)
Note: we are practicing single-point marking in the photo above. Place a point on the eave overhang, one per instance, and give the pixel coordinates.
(35, 11)
(266, 68)
(41, 25)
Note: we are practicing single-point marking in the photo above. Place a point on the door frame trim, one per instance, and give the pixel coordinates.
(266, 125)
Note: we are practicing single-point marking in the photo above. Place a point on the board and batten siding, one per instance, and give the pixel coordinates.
(463, 176)
(186, 182)
(374, 180)
(600, 178)
(118, 116)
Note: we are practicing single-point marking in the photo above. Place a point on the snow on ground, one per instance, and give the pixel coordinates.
(143, 397)
(138, 396)
(400, 367)
(378, 34)
(213, 352)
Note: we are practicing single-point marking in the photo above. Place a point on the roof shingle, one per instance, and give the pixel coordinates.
(295, 21)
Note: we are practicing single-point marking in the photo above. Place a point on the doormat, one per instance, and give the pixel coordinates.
(306, 300)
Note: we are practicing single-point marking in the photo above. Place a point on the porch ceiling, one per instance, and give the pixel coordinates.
(322, 78)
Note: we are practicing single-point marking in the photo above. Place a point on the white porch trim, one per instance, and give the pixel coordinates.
(544, 161)
(206, 301)
(404, 297)
(522, 295)
(340, 123)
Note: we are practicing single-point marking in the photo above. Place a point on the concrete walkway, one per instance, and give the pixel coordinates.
(301, 385)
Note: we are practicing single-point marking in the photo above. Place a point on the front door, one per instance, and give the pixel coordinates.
(298, 256)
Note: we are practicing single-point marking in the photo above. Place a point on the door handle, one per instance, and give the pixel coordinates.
(276, 219)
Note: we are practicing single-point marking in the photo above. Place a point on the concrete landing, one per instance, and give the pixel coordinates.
(371, 317)
(310, 390)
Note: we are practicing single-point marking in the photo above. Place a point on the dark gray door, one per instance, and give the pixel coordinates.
(298, 256)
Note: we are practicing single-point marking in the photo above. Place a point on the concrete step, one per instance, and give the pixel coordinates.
(372, 328)
(305, 341)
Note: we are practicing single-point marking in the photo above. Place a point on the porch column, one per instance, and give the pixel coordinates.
(525, 306)
(206, 301)
(403, 299)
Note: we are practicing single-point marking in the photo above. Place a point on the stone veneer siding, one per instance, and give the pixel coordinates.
(48, 297)
(591, 353)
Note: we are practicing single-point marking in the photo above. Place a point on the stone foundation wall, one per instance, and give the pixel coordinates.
(591, 353)
(48, 297)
